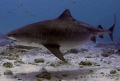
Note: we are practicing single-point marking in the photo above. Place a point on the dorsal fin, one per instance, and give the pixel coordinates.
(66, 15)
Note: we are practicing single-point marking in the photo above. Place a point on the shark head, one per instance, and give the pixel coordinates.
(38, 32)
(13, 35)
(18, 36)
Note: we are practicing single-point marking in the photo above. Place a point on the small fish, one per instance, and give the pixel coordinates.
(25, 12)
(73, 2)
(10, 12)
(20, 5)
(57, 34)
(32, 15)
(14, 9)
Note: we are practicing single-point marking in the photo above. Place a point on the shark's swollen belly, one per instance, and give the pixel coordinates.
(75, 43)
(64, 44)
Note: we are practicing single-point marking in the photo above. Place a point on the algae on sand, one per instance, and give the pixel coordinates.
(8, 65)
(45, 75)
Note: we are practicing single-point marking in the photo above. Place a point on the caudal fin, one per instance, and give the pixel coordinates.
(112, 28)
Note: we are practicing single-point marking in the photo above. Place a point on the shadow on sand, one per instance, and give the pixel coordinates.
(69, 75)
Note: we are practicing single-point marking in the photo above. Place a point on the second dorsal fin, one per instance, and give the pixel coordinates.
(100, 27)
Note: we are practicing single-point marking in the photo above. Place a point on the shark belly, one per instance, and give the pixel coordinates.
(76, 42)
(65, 43)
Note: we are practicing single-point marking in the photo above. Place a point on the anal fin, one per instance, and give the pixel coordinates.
(101, 36)
(93, 39)
(54, 48)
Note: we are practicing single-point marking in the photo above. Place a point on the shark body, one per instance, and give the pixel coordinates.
(63, 32)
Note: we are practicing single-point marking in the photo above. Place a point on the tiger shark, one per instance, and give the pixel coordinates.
(57, 34)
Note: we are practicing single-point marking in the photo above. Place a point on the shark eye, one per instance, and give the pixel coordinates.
(14, 35)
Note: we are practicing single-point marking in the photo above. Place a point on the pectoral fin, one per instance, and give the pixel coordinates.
(54, 48)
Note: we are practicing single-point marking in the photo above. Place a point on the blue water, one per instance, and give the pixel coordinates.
(93, 12)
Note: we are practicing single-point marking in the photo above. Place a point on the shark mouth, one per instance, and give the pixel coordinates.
(15, 40)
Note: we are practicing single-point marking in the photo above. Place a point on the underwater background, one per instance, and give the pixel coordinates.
(17, 13)
(93, 61)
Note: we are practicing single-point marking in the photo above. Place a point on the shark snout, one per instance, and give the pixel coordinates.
(8, 35)
(11, 36)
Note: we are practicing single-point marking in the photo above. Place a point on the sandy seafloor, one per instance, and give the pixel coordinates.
(105, 67)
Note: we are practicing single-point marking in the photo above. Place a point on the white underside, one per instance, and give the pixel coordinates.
(63, 45)
(26, 44)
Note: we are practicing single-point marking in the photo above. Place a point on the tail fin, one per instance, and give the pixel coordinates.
(112, 28)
